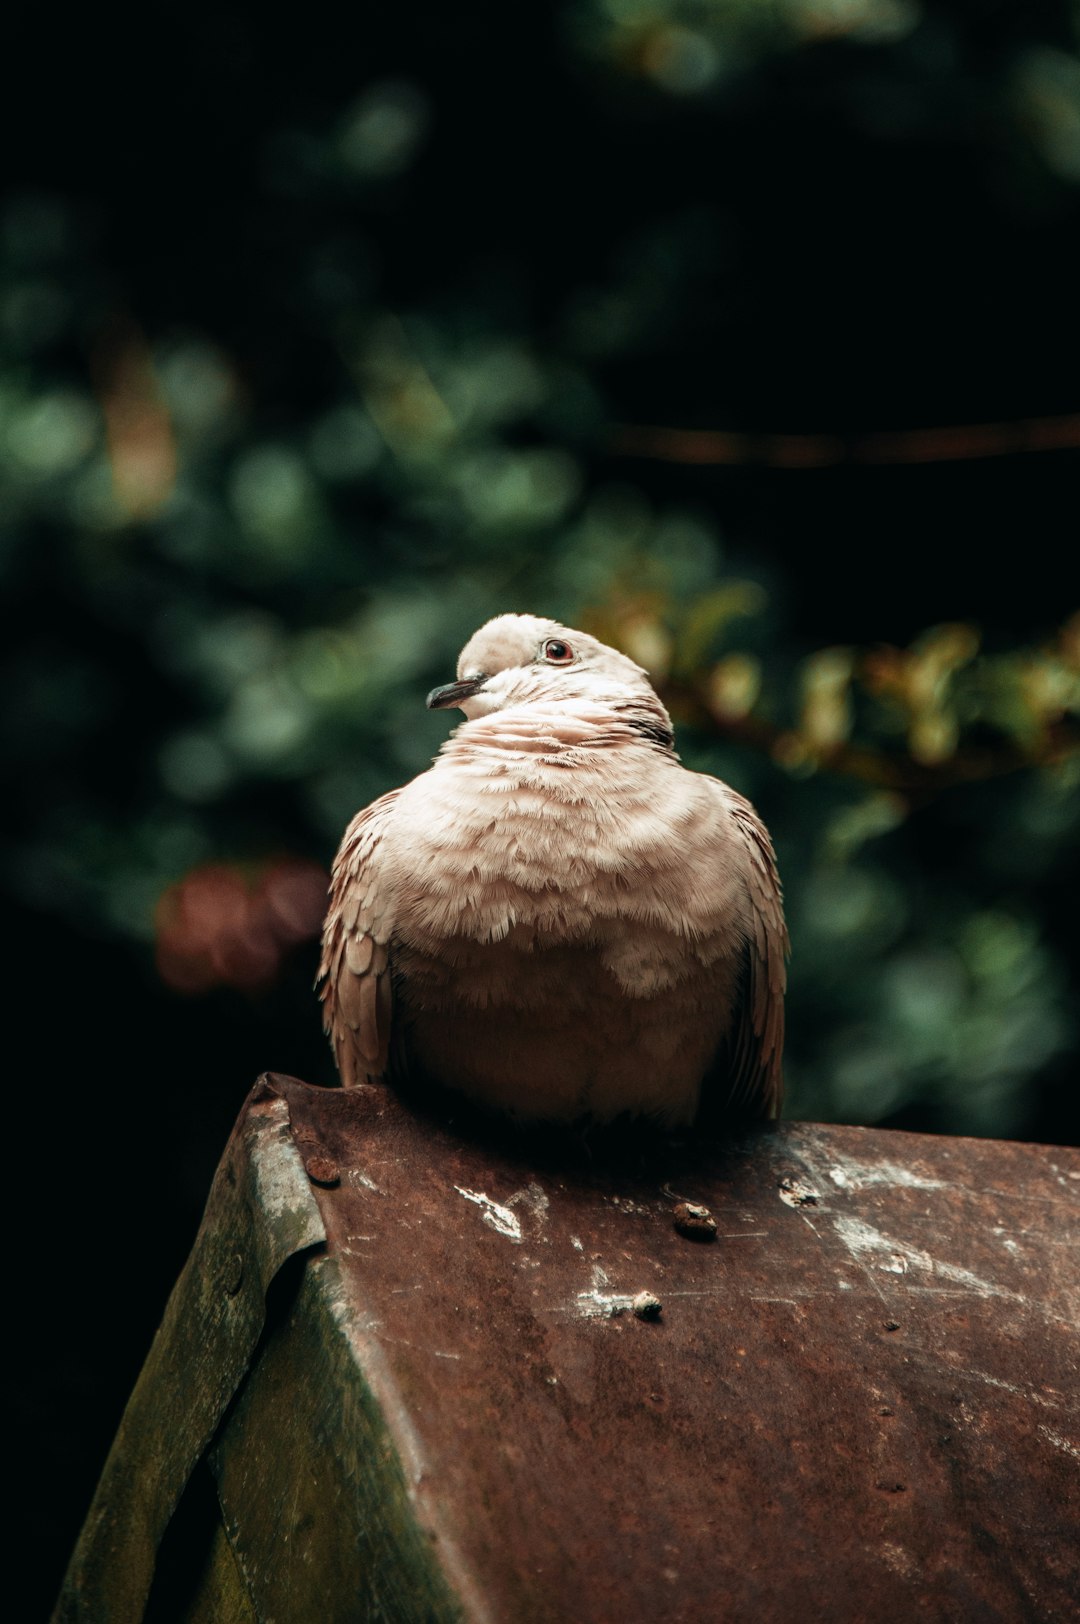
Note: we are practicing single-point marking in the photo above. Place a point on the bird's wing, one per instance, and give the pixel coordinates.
(755, 1045)
(354, 974)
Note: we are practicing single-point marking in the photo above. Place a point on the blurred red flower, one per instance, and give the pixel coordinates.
(230, 925)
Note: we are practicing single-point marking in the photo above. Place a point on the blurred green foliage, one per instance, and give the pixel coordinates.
(265, 585)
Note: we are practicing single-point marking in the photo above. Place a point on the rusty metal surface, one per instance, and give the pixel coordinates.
(858, 1401)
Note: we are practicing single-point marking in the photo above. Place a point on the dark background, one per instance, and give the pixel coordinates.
(321, 339)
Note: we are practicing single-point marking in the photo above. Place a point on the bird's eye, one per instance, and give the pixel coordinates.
(557, 652)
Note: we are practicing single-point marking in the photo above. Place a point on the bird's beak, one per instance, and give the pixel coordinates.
(453, 693)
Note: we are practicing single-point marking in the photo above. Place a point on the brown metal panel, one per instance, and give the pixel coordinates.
(858, 1401)
(806, 1371)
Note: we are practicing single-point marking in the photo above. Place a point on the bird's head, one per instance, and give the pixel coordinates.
(521, 659)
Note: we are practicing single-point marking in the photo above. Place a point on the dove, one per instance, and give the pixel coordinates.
(557, 919)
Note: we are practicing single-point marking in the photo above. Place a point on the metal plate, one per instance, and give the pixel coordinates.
(859, 1400)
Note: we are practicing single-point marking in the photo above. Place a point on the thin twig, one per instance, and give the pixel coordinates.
(952, 444)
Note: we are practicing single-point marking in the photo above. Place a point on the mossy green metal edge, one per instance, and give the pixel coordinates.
(260, 1213)
(311, 1471)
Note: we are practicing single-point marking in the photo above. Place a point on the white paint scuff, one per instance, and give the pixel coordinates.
(599, 1303)
(895, 1257)
(848, 1174)
(361, 1181)
(535, 1202)
(494, 1214)
(1061, 1443)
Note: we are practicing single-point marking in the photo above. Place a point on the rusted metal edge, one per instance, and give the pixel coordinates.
(260, 1212)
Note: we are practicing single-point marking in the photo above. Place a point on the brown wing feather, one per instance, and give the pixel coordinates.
(755, 1046)
(354, 974)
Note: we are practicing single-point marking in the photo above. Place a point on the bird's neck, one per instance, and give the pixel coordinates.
(557, 729)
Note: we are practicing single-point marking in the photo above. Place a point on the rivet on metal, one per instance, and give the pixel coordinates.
(694, 1221)
(646, 1306)
(321, 1170)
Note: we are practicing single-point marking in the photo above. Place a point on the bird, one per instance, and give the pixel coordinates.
(557, 919)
